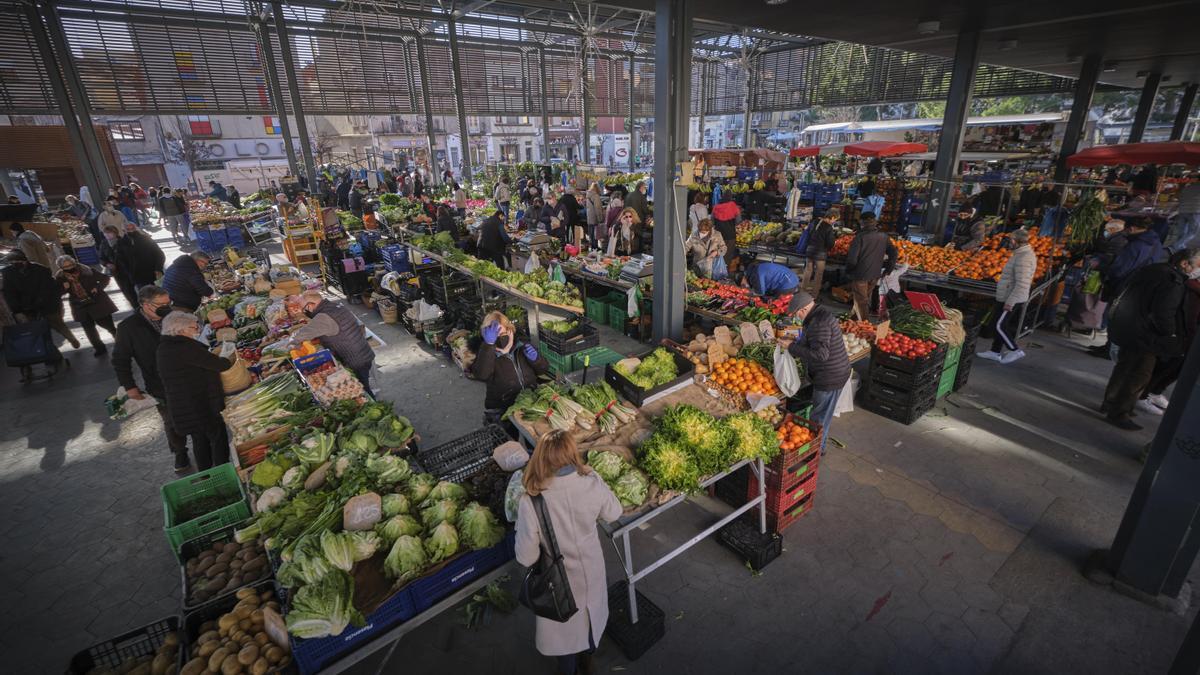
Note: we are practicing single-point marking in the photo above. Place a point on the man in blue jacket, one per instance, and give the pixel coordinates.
(1142, 247)
(184, 281)
(770, 279)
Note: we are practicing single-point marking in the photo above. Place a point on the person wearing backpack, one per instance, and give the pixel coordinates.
(575, 498)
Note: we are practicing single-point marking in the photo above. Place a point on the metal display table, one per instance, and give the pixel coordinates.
(621, 528)
(391, 638)
(988, 289)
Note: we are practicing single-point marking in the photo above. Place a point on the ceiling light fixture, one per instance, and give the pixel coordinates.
(775, 3)
(928, 27)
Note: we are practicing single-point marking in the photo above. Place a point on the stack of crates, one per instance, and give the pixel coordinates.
(949, 371)
(900, 388)
(967, 357)
(791, 481)
(825, 197)
(395, 258)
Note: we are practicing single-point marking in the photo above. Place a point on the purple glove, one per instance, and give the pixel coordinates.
(531, 353)
(490, 332)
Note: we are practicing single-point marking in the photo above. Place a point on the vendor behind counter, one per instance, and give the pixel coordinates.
(505, 364)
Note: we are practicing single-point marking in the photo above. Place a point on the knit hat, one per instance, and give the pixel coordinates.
(1020, 236)
(800, 300)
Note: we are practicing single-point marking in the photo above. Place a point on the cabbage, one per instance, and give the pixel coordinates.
(607, 464)
(630, 487)
(315, 448)
(308, 564)
(447, 490)
(338, 549)
(478, 527)
(442, 542)
(419, 487)
(398, 526)
(439, 512)
(360, 441)
(267, 473)
(365, 544)
(406, 560)
(395, 504)
(388, 469)
(293, 478)
(324, 608)
(270, 498)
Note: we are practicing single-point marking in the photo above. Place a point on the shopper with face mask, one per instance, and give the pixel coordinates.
(31, 293)
(110, 259)
(505, 364)
(184, 280)
(137, 342)
(90, 305)
(191, 380)
(340, 332)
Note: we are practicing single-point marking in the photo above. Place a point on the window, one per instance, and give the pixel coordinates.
(127, 131)
(185, 66)
(200, 125)
(271, 125)
(513, 121)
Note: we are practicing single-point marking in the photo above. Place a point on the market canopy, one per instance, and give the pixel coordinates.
(806, 151)
(1168, 152)
(884, 148)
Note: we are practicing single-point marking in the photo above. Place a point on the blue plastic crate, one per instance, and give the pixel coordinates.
(87, 255)
(309, 363)
(234, 238)
(219, 238)
(203, 238)
(429, 590)
(313, 655)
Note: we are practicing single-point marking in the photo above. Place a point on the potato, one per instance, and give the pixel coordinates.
(225, 557)
(254, 564)
(236, 564)
(204, 564)
(205, 650)
(246, 593)
(248, 655)
(237, 635)
(274, 654)
(207, 554)
(257, 616)
(245, 624)
(215, 584)
(235, 581)
(260, 667)
(216, 569)
(243, 609)
(216, 659)
(227, 622)
(230, 665)
(142, 668)
(273, 605)
(266, 596)
(171, 640)
(207, 626)
(194, 667)
(207, 636)
(161, 664)
(262, 639)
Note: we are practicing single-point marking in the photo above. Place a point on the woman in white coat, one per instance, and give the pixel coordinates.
(575, 499)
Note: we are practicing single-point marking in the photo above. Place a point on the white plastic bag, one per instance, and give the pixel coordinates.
(845, 402)
(759, 402)
(510, 455)
(532, 264)
(786, 375)
(513, 494)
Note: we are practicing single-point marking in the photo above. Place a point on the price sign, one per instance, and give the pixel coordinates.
(926, 302)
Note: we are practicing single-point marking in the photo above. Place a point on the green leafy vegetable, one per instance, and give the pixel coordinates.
(398, 526)
(478, 527)
(338, 550)
(395, 504)
(407, 559)
(388, 469)
(670, 464)
(419, 487)
(324, 608)
(606, 464)
(442, 542)
(657, 368)
(631, 487)
(439, 512)
(447, 490)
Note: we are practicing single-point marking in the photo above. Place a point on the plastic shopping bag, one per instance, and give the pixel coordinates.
(1091, 285)
(532, 264)
(121, 407)
(786, 375)
(719, 269)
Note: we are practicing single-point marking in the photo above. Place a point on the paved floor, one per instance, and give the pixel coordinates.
(952, 545)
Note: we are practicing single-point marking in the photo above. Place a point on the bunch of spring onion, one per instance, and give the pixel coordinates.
(602, 402)
(552, 404)
(255, 409)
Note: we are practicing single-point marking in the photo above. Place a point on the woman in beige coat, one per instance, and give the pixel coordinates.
(575, 499)
(705, 246)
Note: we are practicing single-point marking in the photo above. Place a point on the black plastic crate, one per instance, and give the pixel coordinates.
(732, 488)
(756, 548)
(461, 458)
(634, 639)
(899, 379)
(213, 611)
(931, 361)
(635, 394)
(113, 652)
(899, 396)
(585, 337)
(960, 378)
(904, 414)
(194, 547)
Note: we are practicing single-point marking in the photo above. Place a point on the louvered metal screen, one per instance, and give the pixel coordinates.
(24, 85)
(727, 88)
(608, 85)
(643, 88)
(563, 90)
(493, 80)
(778, 74)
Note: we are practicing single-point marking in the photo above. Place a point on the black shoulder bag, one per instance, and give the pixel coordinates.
(545, 589)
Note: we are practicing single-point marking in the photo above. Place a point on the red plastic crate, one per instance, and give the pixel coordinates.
(779, 522)
(786, 458)
(780, 499)
(792, 469)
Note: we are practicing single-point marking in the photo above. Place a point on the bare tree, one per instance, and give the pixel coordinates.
(186, 150)
(323, 146)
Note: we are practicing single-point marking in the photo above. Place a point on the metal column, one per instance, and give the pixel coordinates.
(545, 103)
(1085, 88)
(1185, 110)
(423, 68)
(672, 108)
(954, 123)
(272, 77)
(293, 83)
(748, 103)
(587, 112)
(452, 27)
(1145, 106)
(632, 128)
(78, 95)
(63, 99)
(1159, 535)
(703, 101)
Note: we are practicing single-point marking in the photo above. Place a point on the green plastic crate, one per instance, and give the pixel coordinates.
(597, 309)
(946, 384)
(599, 357)
(952, 356)
(206, 524)
(617, 315)
(559, 364)
(218, 483)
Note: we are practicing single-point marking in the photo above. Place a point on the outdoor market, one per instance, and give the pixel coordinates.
(877, 395)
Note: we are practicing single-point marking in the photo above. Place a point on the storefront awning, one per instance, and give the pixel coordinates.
(1170, 152)
(806, 151)
(884, 148)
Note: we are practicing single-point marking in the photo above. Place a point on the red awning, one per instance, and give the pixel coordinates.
(806, 151)
(1171, 152)
(884, 148)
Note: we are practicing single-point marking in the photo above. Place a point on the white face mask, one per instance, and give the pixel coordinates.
(1194, 274)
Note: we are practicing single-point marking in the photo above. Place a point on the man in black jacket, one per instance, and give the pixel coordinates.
(137, 342)
(823, 352)
(184, 281)
(872, 256)
(1147, 324)
(493, 239)
(191, 379)
(820, 242)
(140, 257)
(638, 202)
